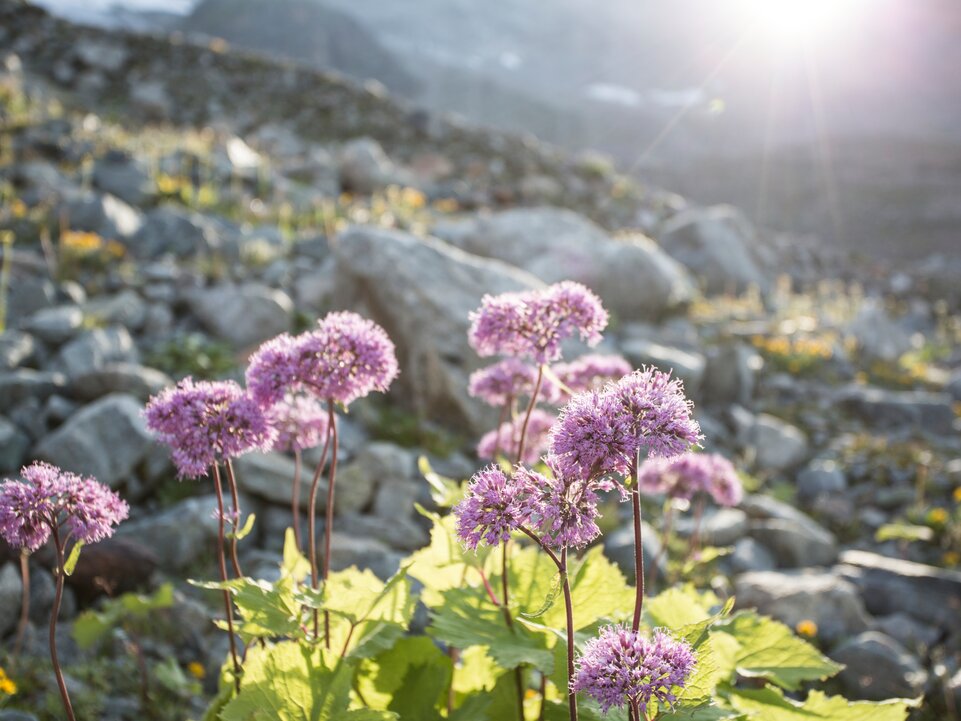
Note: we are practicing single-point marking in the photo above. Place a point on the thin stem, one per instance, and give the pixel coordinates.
(487, 586)
(530, 409)
(505, 579)
(543, 692)
(234, 541)
(312, 522)
(222, 561)
(24, 603)
(329, 525)
(54, 613)
(295, 497)
(569, 610)
(638, 549)
(453, 654)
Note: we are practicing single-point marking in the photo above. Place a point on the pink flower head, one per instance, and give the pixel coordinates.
(506, 439)
(299, 422)
(533, 324)
(591, 372)
(592, 437)
(621, 667)
(566, 510)
(344, 358)
(659, 412)
(495, 506)
(685, 476)
(207, 422)
(48, 498)
(508, 380)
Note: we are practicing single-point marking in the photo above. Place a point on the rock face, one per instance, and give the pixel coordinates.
(421, 291)
(179, 536)
(634, 278)
(795, 539)
(777, 445)
(94, 349)
(106, 439)
(243, 315)
(715, 244)
(889, 585)
(795, 596)
(884, 409)
(877, 667)
(731, 375)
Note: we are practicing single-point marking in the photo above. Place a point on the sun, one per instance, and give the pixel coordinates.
(796, 21)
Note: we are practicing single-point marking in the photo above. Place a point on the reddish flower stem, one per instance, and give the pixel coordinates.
(24, 603)
(329, 524)
(222, 561)
(638, 549)
(54, 613)
(295, 498)
(312, 523)
(234, 541)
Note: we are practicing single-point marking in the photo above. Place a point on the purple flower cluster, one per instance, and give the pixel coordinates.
(344, 358)
(299, 422)
(565, 509)
(495, 506)
(505, 439)
(685, 476)
(49, 498)
(591, 372)
(207, 422)
(508, 380)
(533, 324)
(621, 667)
(602, 432)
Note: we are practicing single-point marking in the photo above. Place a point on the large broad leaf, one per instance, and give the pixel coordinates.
(445, 492)
(677, 607)
(91, 626)
(466, 618)
(295, 682)
(408, 678)
(444, 564)
(769, 704)
(768, 649)
(367, 615)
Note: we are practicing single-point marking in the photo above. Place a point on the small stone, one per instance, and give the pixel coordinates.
(243, 315)
(686, 365)
(180, 535)
(821, 476)
(11, 593)
(719, 526)
(55, 325)
(777, 445)
(16, 349)
(877, 667)
(912, 634)
(14, 445)
(749, 555)
(730, 375)
(130, 378)
(23, 384)
(94, 349)
(619, 548)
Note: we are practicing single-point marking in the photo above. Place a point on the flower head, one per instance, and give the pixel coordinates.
(299, 422)
(495, 506)
(344, 358)
(659, 412)
(506, 439)
(685, 476)
(508, 380)
(207, 422)
(533, 324)
(565, 510)
(591, 372)
(49, 498)
(592, 436)
(621, 667)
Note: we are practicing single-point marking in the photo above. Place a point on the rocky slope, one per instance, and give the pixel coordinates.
(165, 221)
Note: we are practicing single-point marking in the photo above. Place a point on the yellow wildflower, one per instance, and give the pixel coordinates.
(18, 208)
(7, 686)
(938, 516)
(957, 494)
(806, 628)
(197, 670)
(952, 558)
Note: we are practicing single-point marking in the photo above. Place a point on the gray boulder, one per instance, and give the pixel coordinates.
(365, 167)
(124, 176)
(889, 585)
(719, 526)
(377, 464)
(730, 375)
(716, 244)
(820, 477)
(795, 596)
(632, 275)
(169, 229)
(55, 325)
(749, 555)
(877, 667)
(16, 348)
(130, 378)
(243, 315)
(877, 335)
(689, 366)
(795, 539)
(11, 591)
(14, 444)
(421, 291)
(884, 409)
(95, 349)
(104, 214)
(777, 445)
(25, 383)
(126, 308)
(619, 548)
(179, 536)
(106, 439)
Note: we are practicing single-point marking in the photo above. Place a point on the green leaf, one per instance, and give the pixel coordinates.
(295, 566)
(466, 618)
(903, 532)
(90, 626)
(295, 682)
(444, 564)
(395, 679)
(677, 607)
(769, 704)
(70, 565)
(244, 530)
(367, 614)
(598, 591)
(768, 649)
(445, 492)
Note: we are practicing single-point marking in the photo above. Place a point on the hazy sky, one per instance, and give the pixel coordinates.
(82, 6)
